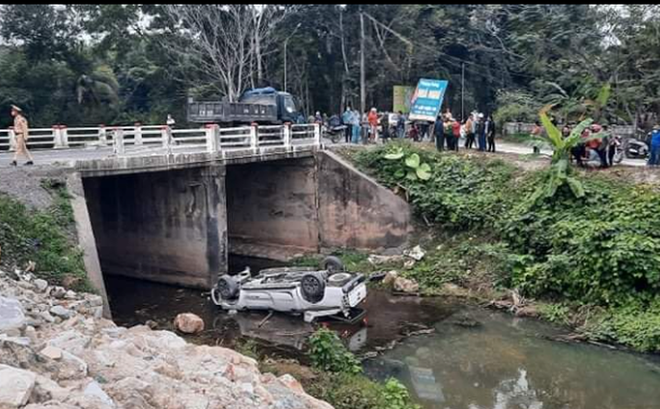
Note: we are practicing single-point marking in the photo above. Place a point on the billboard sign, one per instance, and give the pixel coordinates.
(401, 98)
(427, 99)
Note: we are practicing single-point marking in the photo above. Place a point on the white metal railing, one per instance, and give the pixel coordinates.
(211, 138)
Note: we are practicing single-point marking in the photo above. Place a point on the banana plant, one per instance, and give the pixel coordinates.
(561, 172)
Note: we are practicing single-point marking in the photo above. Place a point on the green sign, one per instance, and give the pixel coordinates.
(402, 96)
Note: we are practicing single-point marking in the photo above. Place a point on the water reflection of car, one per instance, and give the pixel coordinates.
(315, 293)
(280, 329)
(423, 380)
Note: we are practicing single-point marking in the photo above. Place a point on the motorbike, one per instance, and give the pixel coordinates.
(637, 147)
(335, 129)
(619, 152)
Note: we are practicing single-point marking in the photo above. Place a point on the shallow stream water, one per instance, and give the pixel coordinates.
(472, 359)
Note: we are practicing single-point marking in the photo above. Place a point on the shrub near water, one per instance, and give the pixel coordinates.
(342, 383)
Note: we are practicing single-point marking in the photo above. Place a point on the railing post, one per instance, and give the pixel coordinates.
(103, 136)
(64, 136)
(166, 138)
(12, 139)
(212, 138)
(317, 134)
(138, 134)
(287, 134)
(118, 141)
(254, 137)
(57, 139)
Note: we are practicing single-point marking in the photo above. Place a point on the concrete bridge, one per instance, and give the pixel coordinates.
(169, 205)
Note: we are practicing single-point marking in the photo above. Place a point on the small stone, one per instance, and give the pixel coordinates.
(70, 295)
(416, 253)
(58, 292)
(45, 315)
(188, 323)
(11, 314)
(61, 312)
(409, 264)
(33, 322)
(151, 324)
(93, 389)
(406, 285)
(31, 333)
(40, 285)
(52, 352)
(15, 386)
(390, 277)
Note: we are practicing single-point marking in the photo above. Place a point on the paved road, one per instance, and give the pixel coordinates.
(67, 157)
(523, 150)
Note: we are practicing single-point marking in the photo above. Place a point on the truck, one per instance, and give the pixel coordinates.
(265, 106)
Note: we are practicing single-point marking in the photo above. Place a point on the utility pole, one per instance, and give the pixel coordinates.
(363, 93)
(462, 90)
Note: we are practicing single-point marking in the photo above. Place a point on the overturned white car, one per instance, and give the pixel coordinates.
(312, 292)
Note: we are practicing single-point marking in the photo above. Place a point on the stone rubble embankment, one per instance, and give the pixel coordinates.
(57, 352)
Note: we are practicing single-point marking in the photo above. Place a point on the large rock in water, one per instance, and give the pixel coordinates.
(15, 386)
(11, 314)
(188, 323)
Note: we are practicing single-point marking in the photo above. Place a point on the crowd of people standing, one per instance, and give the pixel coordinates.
(478, 130)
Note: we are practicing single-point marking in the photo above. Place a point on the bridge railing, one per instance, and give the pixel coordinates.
(125, 139)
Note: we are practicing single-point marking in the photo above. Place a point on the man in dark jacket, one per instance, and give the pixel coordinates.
(490, 133)
(439, 131)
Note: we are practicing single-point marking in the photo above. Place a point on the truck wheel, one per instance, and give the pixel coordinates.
(332, 264)
(313, 287)
(227, 287)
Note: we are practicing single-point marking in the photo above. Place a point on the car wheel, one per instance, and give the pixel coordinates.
(339, 279)
(227, 287)
(332, 264)
(313, 287)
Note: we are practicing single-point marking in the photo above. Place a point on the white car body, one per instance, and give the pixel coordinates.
(282, 290)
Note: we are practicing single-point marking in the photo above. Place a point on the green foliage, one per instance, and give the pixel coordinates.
(414, 169)
(42, 237)
(556, 313)
(460, 194)
(248, 348)
(560, 172)
(329, 354)
(515, 106)
(636, 325)
(396, 395)
(345, 391)
(601, 247)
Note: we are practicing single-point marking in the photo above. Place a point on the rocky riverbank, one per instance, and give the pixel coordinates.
(56, 351)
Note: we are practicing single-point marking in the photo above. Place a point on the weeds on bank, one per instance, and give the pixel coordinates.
(43, 236)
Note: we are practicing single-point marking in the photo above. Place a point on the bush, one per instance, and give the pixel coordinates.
(329, 354)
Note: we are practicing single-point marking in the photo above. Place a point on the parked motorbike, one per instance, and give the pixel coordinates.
(335, 129)
(619, 152)
(637, 148)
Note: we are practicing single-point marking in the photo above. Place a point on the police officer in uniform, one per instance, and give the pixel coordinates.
(21, 133)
